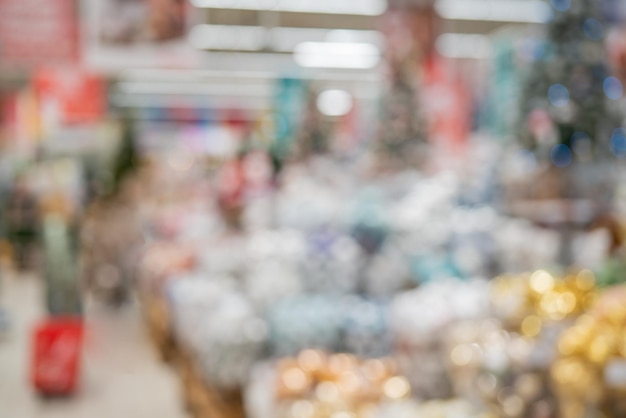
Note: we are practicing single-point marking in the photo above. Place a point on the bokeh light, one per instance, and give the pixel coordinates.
(593, 29)
(558, 95)
(561, 155)
(618, 142)
(561, 5)
(613, 88)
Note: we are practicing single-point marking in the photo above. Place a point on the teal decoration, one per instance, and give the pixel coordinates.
(430, 268)
(505, 93)
(512, 57)
(289, 102)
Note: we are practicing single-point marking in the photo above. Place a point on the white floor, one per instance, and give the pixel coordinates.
(121, 378)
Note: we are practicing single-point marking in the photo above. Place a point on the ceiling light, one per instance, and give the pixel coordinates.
(350, 7)
(524, 11)
(228, 37)
(334, 102)
(460, 45)
(279, 39)
(286, 39)
(194, 89)
(337, 55)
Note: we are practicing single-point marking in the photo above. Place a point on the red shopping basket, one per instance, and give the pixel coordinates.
(56, 356)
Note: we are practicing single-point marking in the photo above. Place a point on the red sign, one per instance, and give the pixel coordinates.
(76, 95)
(34, 32)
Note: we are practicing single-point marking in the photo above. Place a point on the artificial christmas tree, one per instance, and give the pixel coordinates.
(569, 122)
(567, 110)
(407, 27)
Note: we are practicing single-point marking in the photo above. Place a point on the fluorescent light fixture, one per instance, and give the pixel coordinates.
(349, 7)
(201, 102)
(280, 39)
(213, 76)
(287, 39)
(523, 11)
(349, 35)
(334, 102)
(337, 55)
(460, 45)
(195, 89)
(228, 37)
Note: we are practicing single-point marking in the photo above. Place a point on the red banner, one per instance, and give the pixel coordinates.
(448, 105)
(35, 32)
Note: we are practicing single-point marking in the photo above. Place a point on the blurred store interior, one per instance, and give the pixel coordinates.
(312, 209)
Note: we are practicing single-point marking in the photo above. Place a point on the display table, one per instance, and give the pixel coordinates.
(157, 319)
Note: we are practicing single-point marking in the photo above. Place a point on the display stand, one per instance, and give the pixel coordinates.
(157, 319)
(200, 398)
(566, 200)
(567, 216)
(203, 400)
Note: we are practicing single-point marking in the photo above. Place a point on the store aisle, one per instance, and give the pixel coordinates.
(122, 376)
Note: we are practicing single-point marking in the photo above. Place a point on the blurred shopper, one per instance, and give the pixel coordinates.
(61, 267)
(22, 222)
(108, 237)
(110, 240)
(60, 250)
